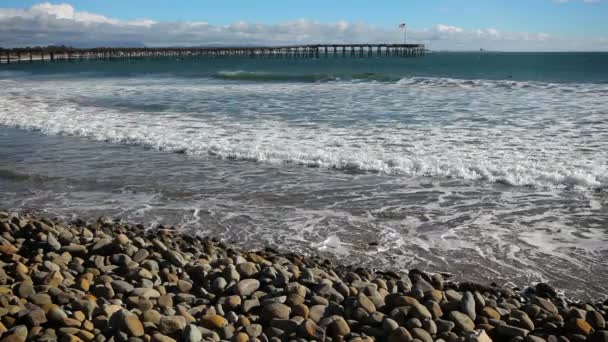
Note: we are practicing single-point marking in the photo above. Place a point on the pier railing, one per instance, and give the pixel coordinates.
(291, 51)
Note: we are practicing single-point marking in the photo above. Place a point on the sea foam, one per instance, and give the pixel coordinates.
(516, 133)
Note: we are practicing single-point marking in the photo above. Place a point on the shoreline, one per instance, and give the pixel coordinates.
(106, 279)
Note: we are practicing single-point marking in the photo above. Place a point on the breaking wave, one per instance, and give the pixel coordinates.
(506, 137)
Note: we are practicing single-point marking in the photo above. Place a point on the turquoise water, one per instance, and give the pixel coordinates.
(492, 166)
(547, 67)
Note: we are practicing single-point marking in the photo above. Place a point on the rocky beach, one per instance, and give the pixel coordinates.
(111, 281)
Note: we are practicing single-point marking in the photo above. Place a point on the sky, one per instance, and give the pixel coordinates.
(506, 25)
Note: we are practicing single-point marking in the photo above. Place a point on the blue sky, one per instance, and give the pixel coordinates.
(575, 24)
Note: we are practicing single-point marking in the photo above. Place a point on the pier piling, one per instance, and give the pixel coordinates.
(275, 52)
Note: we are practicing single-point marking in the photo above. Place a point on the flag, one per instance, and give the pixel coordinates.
(402, 25)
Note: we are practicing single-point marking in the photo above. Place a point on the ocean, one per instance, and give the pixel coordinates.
(489, 166)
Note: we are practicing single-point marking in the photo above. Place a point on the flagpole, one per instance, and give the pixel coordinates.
(404, 34)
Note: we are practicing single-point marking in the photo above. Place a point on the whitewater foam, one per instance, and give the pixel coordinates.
(515, 136)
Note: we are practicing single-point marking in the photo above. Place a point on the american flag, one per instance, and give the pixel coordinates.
(402, 25)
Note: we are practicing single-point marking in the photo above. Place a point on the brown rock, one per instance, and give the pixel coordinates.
(70, 322)
(366, 303)
(400, 335)
(300, 310)
(545, 305)
(338, 327)
(310, 330)
(36, 317)
(162, 338)
(580, 326)
(214, 321)
(434, 308)
(240, 337)
(17, 334)
(122, 239)
(8, 249)
(133, 325)
(490, 313)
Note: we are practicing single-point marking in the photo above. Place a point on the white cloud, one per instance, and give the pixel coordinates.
(46, 23)
(449, 29)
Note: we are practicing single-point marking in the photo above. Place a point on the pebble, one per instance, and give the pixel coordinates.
(545, 305)
(400, 335)
(247, 269)
(421, 335)
(468, 305)
(214, 321)
(462, 321)
(133, 325)
(192, 334)
(171, 324)
(121, 286)
(338, 327)
(274, 310)
(246, 287)
(511, 331)
(108, 281)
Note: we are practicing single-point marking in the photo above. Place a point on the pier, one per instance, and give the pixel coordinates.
(285, 52)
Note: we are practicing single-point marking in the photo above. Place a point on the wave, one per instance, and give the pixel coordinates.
(446, 82)
(263, 76)
(21, 177)
(518, 144)
(416, 81)
(281, 152)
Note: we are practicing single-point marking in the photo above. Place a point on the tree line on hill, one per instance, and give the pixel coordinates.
(48, 48)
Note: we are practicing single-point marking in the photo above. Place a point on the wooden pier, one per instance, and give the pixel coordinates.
(286, 52)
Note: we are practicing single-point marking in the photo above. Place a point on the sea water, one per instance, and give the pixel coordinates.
(490, 166)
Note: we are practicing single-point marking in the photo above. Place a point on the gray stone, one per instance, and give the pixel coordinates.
(56, 314)
(140, 255)
(511, 331)
(467, 305)
(545, 305)
(430, 326)
(462, 321)
(422, 335)
(218, 285)
(423, 285)
(453, 295)
(596, 320)
(246, 287)
(52, 242)
(231, 274)
(121, 286)
(253, 330)
(145, 292)
(400, 335)
(249, 304)
(274, 310)
(176, 258)
(247, 269)
(287, 325)
(192, 334)
(171, 324)
(389, 324)
(532, 338)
